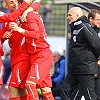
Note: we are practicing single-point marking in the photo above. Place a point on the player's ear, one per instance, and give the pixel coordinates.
(6, 6)
(19, 3)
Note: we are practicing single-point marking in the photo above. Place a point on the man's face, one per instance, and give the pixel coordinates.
(12, 5)
(72, 16)
(96, 20)
(56, 57)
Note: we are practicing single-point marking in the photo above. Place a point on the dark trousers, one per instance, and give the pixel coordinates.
(97, 87)
(56, 88)
(65, 90)
(79, 85)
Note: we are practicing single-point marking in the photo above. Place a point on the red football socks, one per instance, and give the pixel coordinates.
(48, 96)
(32, 92)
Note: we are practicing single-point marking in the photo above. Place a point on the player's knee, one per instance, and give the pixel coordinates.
(22, 91)
(13, 91)
(45, 90)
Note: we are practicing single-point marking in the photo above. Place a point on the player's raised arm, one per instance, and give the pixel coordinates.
(33, 7)
(4, 17)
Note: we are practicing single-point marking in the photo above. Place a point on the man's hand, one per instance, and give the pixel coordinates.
(98, 63)
(23, 17)
(7, 35)
(13, 26)
(28, 1)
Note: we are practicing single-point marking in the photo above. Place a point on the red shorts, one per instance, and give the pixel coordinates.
(20, 70)
(40, 68)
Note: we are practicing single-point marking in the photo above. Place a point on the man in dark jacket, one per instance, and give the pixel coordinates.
(83, 55)
(94, 19)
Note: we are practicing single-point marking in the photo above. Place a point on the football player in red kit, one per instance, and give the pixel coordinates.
(20, 58)
(41, 56)
(4, 17)
(10, 17)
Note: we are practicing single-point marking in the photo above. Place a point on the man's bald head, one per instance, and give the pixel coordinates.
(74, 13)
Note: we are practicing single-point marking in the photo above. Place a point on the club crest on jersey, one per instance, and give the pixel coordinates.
(1, 13)
(77, 23)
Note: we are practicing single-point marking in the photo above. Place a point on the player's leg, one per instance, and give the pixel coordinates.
(18, 78)
(45, 86)
(23, 93)
(31, 83)
(13, 93)
(45, 81)
(41, 63)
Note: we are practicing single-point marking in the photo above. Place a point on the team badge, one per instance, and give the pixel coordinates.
(1, 13)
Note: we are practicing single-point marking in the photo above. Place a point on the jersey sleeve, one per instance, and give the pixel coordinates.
(33, 31)
(4, 17)
(35, 6)
(2, 31)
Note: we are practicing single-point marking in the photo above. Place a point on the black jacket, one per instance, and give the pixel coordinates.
(84, 48)
(98, 33)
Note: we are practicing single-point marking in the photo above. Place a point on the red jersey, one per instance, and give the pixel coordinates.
(4, 17)
(35, 33)
(17, 41)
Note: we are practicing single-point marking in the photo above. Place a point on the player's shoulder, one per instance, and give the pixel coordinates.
(32, 15)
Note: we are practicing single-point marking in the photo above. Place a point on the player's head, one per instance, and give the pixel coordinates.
(12, 5)
(74, 13)
(20, 1)
(94, 17)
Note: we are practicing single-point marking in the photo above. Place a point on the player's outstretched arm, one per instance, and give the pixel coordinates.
(33, 7)
(4, 17)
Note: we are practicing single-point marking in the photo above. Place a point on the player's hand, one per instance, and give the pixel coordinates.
(28, 1)
(24, 15)
(7, 34)
(98, 63)
(13, 26)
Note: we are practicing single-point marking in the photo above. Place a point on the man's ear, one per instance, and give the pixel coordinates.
(19, 3)
(90, 19)
(6, 6)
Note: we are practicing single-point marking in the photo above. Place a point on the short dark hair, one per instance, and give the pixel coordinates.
(20, 1)
(92, 13)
